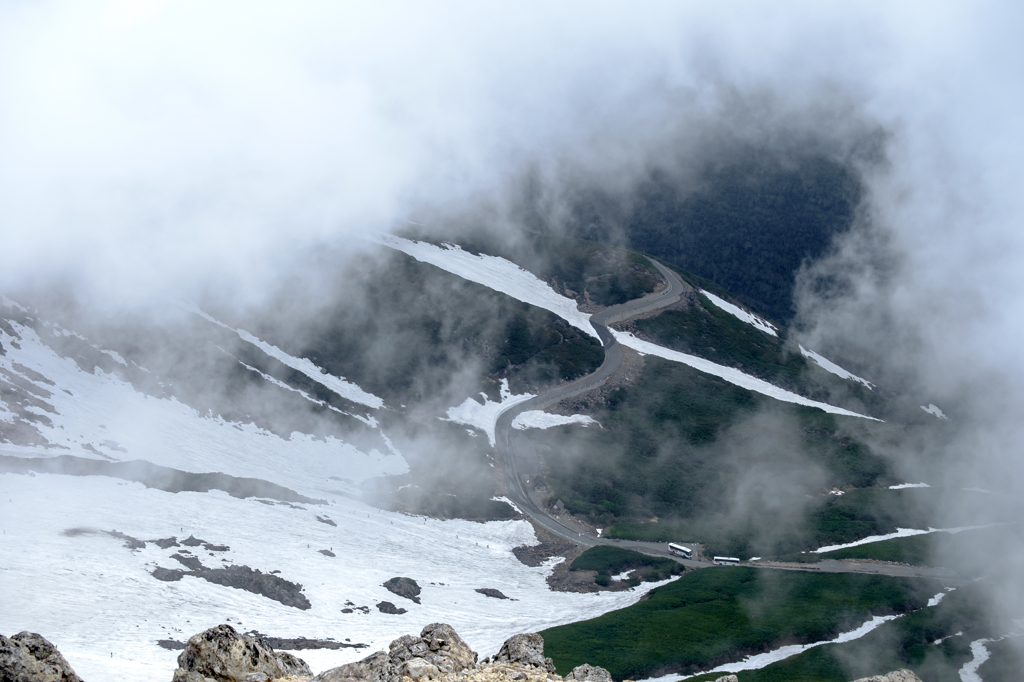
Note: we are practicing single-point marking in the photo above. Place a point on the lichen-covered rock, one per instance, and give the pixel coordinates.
(589, 673)
(901, 675)
(728, 678)
(443, 641)
(525, 649)
(221, 654)
(29, 657)
(437, 651)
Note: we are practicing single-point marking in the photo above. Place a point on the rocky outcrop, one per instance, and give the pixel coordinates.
(526, 649)
(589, 673)
(901, 675)
(28, 657)
(491, 592)
(436, 652)
(388, 607)
(404, 587)
(221, 654)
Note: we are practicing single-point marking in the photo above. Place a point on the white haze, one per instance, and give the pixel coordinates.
(153, 150)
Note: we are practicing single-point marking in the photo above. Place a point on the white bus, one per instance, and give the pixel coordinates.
(679, 550)
(727, 561)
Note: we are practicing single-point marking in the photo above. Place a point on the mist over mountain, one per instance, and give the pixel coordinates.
(265, 267)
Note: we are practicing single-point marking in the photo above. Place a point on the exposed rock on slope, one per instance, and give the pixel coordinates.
(28, 657)
(404, 587)
(901, 675)
(222, 654)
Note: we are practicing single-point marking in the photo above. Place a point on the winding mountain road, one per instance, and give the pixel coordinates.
(508, 441)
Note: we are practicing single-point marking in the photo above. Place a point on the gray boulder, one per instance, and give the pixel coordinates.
(526, 649)
(901, 675)
(374, 668)
(29, 657)
(404, 587)
(221, 654)
(589, 673)
(437, 650)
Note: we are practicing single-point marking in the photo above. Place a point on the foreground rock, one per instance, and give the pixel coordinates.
(437, 651)
(901, 675)
(438, 654)
(589, 673)
(527, 650)
(222, 654)
(28, 657)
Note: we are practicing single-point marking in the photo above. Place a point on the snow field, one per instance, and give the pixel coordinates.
(741, 314)
(538, 419)
(833, 368)
(100, 598)
(485, 416)
(495, 273)
(89, 409)
(730, 374)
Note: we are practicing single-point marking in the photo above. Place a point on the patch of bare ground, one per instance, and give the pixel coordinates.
(561, 578)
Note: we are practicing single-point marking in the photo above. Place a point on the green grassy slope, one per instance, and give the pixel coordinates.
(907, 642)
(712, 616)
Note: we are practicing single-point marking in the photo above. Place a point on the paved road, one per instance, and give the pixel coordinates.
(508, 442)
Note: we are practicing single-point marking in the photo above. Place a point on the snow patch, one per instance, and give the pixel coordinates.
(730, 374)
(502, 498)
(485, 416)
(8, 303)
(969, 673)
(346, 389)
(538, 419)
(833, 368)
(901, 533)
(741, 314)
(902, 486)
(495, 273)
(933, 410)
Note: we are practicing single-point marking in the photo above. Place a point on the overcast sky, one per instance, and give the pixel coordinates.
(150, 144)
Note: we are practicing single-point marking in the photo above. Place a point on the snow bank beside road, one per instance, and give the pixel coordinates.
(538, 419)
(740, 313)
(495, 273)
(485, 416)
